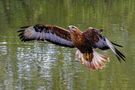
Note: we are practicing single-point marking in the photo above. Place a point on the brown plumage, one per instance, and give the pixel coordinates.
(85, 42)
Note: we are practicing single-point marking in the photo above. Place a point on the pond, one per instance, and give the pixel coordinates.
(44, 66)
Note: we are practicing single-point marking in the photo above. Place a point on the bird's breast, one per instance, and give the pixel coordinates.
(80, 42)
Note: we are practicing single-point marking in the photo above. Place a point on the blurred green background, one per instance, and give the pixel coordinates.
(44, 66)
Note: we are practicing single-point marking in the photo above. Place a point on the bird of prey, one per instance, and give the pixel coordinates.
(86, 42)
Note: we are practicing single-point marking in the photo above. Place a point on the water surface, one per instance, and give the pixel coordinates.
(44, 66)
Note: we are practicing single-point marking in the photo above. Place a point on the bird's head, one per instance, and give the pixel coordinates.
(73, 28)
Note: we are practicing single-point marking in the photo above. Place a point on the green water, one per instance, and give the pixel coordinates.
(44, 66)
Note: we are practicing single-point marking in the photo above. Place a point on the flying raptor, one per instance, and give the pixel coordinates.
(86, 42)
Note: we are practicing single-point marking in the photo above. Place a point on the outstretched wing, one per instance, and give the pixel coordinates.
(101, 42)
(53, 34)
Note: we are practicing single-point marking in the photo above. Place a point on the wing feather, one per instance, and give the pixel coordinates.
(98, 41)
(53, 34)
(117, 53)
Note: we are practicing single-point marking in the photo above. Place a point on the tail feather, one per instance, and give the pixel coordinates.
(98, 61)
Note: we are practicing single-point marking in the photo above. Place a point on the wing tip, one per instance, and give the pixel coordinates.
(21, 33)
(116, 44)
(119, 55)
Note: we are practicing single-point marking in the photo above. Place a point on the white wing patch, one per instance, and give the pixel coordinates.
(30, 33)
(110, 46)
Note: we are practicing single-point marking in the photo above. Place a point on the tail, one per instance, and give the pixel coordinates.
(97, 61)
